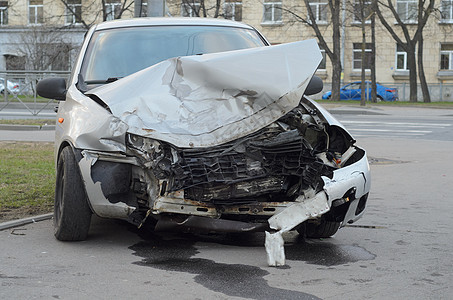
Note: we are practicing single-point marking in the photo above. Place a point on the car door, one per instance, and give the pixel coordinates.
(351, 91)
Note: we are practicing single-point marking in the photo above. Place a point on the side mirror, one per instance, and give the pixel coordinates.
(314, 86)
(52, 88)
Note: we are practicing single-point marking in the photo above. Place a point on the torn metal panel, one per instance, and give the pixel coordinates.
(205, 100)
(180, 205)
(166, 223)
(302, 210)
(289, 218)
(275, 250)
(355, 176)
(184, 206)
(100, 205)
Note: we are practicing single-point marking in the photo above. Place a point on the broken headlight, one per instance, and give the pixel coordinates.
(152, 148)
(152, 153)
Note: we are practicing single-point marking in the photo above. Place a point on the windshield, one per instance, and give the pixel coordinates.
(116, 53)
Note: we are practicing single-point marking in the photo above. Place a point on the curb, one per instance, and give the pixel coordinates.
(25, 221)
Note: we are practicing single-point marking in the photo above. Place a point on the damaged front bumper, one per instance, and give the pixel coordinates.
(344, 195)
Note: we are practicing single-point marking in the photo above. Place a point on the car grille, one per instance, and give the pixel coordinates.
(264, 164)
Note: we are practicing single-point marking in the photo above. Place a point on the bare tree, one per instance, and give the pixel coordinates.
(102, 10)
(421, 70)
(202, 8)
(373, 52)
(45, 48)
(332, 52)
(360, 10)
(363, 13)
(408, 42)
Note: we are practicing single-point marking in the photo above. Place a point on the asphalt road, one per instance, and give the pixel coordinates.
(16, 110)
(400, 122)
(400, 249)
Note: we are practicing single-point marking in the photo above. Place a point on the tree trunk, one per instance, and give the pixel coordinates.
(335, 8)
(373, 55)
(421, 71)
(217, 8)
(363, 85)
(411, 64)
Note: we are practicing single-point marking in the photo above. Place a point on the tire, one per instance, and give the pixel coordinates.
(72, 214)
(379, 99)
(323, 230)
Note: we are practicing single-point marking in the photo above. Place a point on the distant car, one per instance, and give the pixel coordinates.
(11, 87)
(352, 91)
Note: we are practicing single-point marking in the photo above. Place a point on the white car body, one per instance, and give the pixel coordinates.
(223, 141)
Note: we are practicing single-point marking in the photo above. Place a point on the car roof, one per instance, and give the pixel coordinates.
(150, 21)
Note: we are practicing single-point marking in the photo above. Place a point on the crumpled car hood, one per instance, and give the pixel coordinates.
(206, 100)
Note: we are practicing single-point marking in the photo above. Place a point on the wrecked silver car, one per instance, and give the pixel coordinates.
(197, 124)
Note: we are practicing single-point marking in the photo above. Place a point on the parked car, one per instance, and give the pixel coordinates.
(199, 124)
(353, 91)
(11, 87)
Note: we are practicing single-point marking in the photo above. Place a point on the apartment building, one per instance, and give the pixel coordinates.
(58, 25)
(46, 34)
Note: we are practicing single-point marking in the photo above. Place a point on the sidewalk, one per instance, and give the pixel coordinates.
(352, 109)
(25, 127)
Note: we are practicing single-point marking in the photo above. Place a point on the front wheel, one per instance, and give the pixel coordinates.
(72, 214)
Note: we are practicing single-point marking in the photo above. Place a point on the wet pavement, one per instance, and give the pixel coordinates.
(177, 253)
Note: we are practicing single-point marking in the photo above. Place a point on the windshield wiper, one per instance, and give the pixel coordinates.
(101, 81)
(82, 84)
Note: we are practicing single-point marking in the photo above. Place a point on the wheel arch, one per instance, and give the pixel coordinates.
(63, 145)
(78, 157)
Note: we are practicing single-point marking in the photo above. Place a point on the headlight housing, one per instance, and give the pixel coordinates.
(154, 154)
(149, 147)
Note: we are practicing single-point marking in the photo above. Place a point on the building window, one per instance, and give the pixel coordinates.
(367, 11)
(35, 12)
(73, 11)
(322, 65)
(401, 59)
(112, 9)
(319, 9)
(446, 57)
(3, 13)
(446, 11)
(233, 10)
(407, 10)
(272, 11)
(190, 9)
(357, 56)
